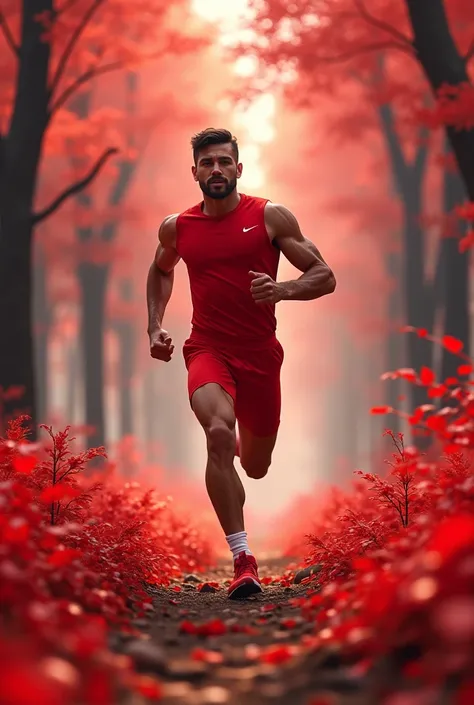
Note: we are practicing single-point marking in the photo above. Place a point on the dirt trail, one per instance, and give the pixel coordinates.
(228, 670)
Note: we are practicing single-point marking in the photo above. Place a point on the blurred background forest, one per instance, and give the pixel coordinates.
(335, 120)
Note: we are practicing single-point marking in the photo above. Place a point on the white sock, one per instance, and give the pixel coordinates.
(238, 543)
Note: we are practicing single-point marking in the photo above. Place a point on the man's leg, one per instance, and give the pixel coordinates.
(212, 390)
(255, 452)
(214, 409)
(258, 406)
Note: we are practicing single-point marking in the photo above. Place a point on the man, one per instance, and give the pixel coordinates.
(231, 245)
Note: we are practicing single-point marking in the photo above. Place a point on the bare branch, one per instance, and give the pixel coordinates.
(380, 24)
(375, 46)
(8, 35)
(71, 44)
(80, 81)
(74, 188)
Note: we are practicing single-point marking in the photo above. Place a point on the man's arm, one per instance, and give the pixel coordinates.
(317, 279)
(160, 286)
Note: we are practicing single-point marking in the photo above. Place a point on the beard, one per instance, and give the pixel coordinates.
(218, 192)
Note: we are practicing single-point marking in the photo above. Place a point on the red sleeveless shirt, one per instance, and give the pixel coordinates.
(219, 252)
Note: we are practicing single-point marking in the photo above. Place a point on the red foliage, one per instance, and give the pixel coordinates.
(396, 553)
(74, 560)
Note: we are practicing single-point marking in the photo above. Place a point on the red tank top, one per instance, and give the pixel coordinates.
(219, 252)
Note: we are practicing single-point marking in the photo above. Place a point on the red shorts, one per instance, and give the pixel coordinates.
(250, 377)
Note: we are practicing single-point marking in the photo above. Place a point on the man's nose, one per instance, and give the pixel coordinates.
(216, 169)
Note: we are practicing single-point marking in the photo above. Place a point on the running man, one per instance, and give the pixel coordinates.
(231, 245)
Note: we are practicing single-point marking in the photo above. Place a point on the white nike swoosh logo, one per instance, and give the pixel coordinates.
(245, 230)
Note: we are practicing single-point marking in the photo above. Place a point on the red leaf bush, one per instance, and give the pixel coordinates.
(396, 552)
(75, 558)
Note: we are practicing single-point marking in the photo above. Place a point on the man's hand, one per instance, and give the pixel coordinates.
(264, 289)
(161, 347)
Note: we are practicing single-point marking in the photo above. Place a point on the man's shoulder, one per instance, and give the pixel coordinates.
(273, 210)
(172, 219)
(167, 230)
(169, 222)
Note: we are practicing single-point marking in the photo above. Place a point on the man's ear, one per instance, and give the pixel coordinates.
(239, 170)
(194, 171)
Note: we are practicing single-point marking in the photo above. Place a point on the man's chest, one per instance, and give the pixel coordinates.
(222, 244)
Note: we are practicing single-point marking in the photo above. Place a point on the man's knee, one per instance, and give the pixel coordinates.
(220, 434)
(255, 468)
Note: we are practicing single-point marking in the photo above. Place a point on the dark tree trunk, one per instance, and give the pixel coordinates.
(42, 327)
(443, 64)
(347, 406)
(126, 368)
(73, 372)
(20, 151)
(93, 284)
(94, 397)
(456, 280)
(126, 336)
(419, 294)
(394, 340)
(418, 304)
(150, 408)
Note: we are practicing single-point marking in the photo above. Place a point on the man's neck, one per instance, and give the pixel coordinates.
(216, 207)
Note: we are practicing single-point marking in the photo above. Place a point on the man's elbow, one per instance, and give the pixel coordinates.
(330, 283)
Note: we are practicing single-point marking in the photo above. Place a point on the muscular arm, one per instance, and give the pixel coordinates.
(317, 279)
(161, 274)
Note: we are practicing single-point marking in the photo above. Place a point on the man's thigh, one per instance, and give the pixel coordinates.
(257, 409)
(258, 392)
(209, 379)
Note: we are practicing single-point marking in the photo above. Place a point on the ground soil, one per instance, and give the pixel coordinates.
(231, 672)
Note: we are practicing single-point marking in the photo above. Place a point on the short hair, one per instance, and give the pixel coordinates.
(213, 136)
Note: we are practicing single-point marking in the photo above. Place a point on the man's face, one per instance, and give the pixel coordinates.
(216, 170)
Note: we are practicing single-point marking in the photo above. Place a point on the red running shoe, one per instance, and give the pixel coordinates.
(246, 581)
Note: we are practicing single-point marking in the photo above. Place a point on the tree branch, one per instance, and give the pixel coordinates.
(75, 85)
(375, 46)
(74, 188)
(71, 44)
(8, 35)
(380, 24)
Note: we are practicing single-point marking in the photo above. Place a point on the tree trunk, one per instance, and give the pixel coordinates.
(16, 350)
(347, 408)
(93, 284)
(105, 236)
(418, 294)
(443, 65)
(151, 428)
(393, 353)
(42, 327)
(418, 304)
(126, 336)
(456, 280)
(20, 151)
(73, 372)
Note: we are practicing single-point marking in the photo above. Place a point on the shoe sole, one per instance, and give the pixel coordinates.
(250, 587)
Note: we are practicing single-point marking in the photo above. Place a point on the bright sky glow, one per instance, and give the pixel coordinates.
(254, 125)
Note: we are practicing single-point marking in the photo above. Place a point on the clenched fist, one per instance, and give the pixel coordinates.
(161, 346)
(264, 289)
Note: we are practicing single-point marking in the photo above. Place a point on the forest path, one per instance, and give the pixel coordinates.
(227, 664)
